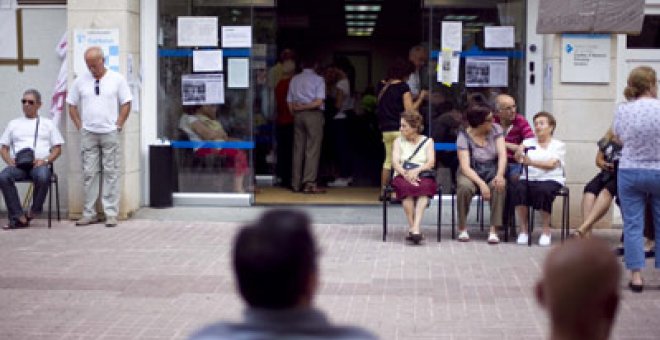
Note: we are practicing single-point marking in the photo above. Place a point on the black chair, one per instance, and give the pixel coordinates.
(54, 183)
(387, 198)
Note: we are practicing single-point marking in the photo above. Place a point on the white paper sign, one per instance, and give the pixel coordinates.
(207, 60)
(452, 35)
(236, 36)
(197, 31)
(238, 73)
(201, 89)
(8, 34)
(499, 37)
(106, 39)
(486, 72)
(450, 59)
(585, 58)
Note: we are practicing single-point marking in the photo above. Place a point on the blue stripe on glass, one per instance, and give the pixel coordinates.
(445, 146)
(179, 144)
(187, 52)
(480, 53)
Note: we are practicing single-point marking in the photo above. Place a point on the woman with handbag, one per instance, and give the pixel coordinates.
(601, 190)
(544, 164)
(413, 160)
(482, 163)
(394, 97)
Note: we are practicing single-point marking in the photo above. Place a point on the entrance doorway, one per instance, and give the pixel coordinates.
(364, 38)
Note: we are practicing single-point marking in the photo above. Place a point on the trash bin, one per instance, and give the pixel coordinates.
(161, 176)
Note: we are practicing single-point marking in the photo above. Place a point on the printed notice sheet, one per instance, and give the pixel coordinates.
(499, 37)
(237, 36)
(207, 60)
(486, 72)
(201, 89)
(197, 31)
(450, 57)
(238, 73)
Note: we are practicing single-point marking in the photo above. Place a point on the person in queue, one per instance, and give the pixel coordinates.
(637, 124)
(482, 164)
(543, 157)
(414, 184)
(394, 97)
(601, 190)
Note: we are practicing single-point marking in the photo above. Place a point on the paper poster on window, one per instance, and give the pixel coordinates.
(197, 31)
(207, 60)
(202, 89)
(499, 37)
(106, 39)
(237, 36)
(486, 72)
(238, 73)
(450, 57)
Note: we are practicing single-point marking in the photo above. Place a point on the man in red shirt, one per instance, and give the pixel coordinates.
(516, 129)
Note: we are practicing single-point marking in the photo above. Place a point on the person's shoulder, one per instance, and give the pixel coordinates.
(220, 330)
(348, 332)
(497, 129)
(557, 142)
(47, 121)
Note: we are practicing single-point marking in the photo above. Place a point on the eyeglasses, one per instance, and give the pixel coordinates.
(28, 101)
(97, 89)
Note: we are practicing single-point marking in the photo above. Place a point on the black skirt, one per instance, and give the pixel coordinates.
(541, 194)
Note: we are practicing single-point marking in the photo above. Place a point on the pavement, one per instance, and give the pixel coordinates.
(166, 272)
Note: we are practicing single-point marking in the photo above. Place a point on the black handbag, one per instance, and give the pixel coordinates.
(24, 158)
(408, 165)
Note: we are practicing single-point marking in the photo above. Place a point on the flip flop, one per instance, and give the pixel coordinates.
(15, 225)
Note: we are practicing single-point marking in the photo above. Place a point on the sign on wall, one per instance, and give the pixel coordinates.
(585, 58)
(106, 39)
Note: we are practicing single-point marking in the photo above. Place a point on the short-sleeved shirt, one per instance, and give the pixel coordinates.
(518, 131)
(390, 106)
(19, 134)
(99, 113)
(408, 148)
(555, 150)
(637, 123)
(306, 87)
(485, 153)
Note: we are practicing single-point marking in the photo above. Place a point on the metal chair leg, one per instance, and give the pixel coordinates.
(453, 216)
(439, 211)
(57, 197)
(385, 198)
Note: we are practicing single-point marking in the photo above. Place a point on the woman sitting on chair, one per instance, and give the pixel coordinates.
(201, 124)
(544, 162)
(600, 191)
(481, 166)
(413, 160)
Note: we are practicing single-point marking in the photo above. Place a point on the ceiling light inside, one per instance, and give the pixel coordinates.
(353, 16)
(362, 8)
(361, 23)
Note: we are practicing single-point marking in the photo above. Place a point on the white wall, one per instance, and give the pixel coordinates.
(42, 30)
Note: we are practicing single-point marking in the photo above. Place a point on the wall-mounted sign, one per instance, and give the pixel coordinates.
(585, 58)
(106, 39)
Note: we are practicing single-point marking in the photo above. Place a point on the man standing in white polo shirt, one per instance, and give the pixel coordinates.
(104, 99)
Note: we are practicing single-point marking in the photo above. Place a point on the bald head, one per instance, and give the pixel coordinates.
(580, 288)
(95, 61)
(505, 107)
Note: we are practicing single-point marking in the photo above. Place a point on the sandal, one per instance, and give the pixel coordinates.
(17, 224)
(313, 189)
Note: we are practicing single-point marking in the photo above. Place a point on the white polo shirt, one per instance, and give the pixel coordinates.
(99, 112)
(19, 134)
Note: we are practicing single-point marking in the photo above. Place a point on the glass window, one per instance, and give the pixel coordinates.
(649, 37)
(213, 139)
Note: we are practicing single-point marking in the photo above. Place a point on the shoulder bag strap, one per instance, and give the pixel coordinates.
(382, 91)
(36, 130)
(417, 150)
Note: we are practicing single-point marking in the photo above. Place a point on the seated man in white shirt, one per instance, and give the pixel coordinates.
(40, 135)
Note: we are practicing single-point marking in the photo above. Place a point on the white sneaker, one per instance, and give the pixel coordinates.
(544, 240)
(340, 182)
(493, 238)
(523, 238)
(463, 236)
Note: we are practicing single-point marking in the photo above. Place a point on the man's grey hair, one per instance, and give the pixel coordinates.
(34, 93)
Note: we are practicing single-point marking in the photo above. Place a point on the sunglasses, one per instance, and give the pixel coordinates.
(97, 89)
(28, 101)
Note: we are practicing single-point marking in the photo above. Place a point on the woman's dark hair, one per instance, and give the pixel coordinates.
(400, 69)
(551, 119)
(477, 114)
(275, 259)
(414, 119)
